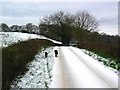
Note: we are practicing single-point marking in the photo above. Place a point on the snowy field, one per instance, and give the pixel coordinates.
(39, 72)
(8, 38)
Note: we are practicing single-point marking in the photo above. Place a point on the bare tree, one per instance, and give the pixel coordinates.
(85, 20)
(61, 25)
(58, 23)
(60, 17)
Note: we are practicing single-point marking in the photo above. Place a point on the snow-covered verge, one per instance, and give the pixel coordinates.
(39, 72)
(111, 64)
(8, 38)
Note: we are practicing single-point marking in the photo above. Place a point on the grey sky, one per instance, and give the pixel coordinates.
(23, 12)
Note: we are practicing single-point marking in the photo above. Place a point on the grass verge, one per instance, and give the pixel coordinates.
(15, 58)
(110, 62)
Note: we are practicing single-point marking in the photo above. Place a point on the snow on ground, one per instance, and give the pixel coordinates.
(58, 80)
(8, 38)
(107, 62)
(71, 69)
(39, 72)
(106, 74)
(78, 70)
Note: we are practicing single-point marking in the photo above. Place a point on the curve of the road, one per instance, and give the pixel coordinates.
(74, 69)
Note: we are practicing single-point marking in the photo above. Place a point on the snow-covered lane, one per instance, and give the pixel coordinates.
(58, 80)
(102, 71)
(79, 74)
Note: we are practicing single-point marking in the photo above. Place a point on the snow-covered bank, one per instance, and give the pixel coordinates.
(39, 72)
(8, 38)
(111, 64)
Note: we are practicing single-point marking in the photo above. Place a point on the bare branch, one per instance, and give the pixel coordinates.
(85, 20)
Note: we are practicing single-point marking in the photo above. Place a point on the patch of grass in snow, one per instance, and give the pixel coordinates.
(15, 58)
(106, 61)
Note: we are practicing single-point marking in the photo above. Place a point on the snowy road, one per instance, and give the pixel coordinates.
(74, 69)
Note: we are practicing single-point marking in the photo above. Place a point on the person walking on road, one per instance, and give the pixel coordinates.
(56, 53)
(46, 54)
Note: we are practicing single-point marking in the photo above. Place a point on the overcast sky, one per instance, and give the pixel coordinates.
(24, 12)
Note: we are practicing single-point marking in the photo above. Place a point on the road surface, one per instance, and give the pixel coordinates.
(74, 69)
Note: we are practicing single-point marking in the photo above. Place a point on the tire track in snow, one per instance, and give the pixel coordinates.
(105, 74)
(77, 74)
(58, 80)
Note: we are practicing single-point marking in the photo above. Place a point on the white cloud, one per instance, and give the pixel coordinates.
(20, 21)
(111, 30)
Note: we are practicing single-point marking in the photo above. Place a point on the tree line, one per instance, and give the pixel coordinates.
(28, 28)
